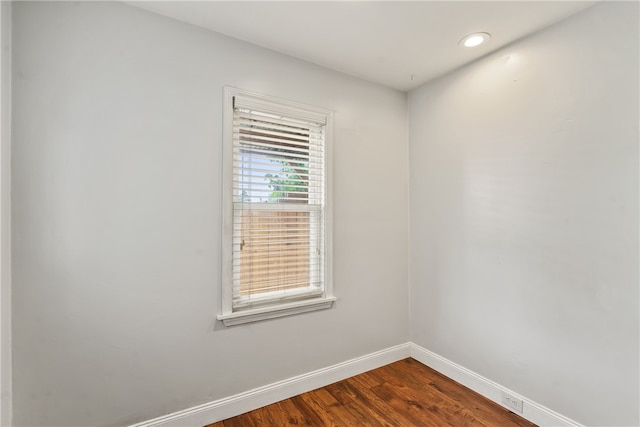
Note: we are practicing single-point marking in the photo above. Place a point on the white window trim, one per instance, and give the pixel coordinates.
(324, 301)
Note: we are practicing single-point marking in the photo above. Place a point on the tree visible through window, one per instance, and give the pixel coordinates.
(288, 180)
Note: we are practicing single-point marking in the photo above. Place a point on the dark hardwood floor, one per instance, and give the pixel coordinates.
(404, 393)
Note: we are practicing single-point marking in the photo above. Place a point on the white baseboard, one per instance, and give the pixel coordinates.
(532, 411)
(221, 409)
(231, 406)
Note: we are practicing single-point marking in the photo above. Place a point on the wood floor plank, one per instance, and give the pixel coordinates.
(374, 401)
(323, 413)
(326, 399)
(412, 407)
(376, 406)
(311, 416)
(480, 407)
(441, 405)
(350, 402)
(401, 394)
(258, 418)
(290, 414)
(368, 380)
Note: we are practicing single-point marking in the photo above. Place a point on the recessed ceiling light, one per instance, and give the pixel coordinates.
(475, 39)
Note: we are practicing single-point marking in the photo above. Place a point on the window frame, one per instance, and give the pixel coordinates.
(274, 309)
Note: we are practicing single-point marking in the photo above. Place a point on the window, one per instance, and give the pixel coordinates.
(277, 246)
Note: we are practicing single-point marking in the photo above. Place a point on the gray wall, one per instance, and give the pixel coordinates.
(116, 246)
(524, 216)
(5, 213)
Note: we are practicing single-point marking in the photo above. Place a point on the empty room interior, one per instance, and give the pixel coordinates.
(210, 207)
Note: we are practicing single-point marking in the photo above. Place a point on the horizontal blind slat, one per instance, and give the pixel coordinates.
(288, 225)
(241, 120)
(254, 137)
(266, 285)
(270, 187)
(245, 208)
(257, 173)
(262, 105)
(250, 150)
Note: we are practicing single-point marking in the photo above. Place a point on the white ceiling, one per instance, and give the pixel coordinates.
(395, 43)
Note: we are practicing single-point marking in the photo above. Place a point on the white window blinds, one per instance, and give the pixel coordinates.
(278, 202)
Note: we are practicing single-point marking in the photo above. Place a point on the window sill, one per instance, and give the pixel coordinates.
(281, 310)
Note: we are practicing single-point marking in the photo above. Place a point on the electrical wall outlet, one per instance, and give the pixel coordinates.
(512, 402)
